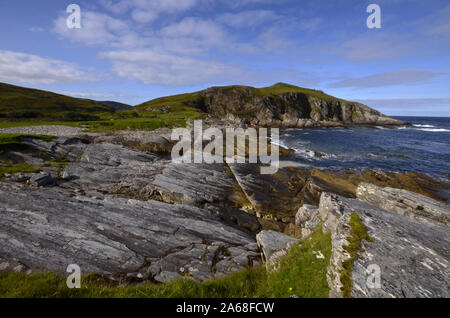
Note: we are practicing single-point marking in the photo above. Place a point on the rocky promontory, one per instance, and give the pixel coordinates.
(280, 105)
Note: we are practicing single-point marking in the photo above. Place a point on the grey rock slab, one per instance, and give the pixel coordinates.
(48, 229)
(405, 202)
(196, 184)
(307, 218)
(113, 169)
(413, 256)
(274, 245)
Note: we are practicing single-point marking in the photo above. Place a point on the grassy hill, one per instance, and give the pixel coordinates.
(282, 104)
(192, 101)
(19, 103)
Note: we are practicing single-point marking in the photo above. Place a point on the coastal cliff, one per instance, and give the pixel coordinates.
(280, 105)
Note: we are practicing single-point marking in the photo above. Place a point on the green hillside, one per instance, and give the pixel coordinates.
(19, 103)
(190, 101)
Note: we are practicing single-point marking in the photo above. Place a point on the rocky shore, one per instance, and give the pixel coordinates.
(117, 206)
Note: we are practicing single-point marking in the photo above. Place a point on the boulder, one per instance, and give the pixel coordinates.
(41, 180)
(273, 245)
(307, 218)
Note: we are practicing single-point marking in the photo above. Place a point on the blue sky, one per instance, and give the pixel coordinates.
(136, 50)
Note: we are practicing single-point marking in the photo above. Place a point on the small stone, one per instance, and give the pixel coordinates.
(19, 268)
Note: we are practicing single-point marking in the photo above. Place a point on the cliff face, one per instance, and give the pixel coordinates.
(287, 107)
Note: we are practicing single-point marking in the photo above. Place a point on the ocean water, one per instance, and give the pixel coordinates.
(423, 147)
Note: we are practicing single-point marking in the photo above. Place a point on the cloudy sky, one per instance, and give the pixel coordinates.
(136, 50)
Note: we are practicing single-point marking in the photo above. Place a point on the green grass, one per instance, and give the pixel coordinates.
(21, 106)
(283, 88)
(147, 121)
(358, 233)
(301, 270)
(10, 168)
(300, 273)
(14, 142)
(25, 103)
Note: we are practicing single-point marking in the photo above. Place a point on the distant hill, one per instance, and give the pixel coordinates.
(282, 105)
(117, 106)
(19, 103)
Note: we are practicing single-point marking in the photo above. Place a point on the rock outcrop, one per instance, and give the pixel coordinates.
(281, 105)
(412, 256)
(48, 229)
(273, 246)
(286, 105)
(120, 210)
(413, 205)
(307, 218)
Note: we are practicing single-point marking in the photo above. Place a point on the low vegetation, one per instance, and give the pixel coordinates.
(196, 100)
(14, 142)
(358, 233)
(300, 273)
(32, 104)
(21, 106)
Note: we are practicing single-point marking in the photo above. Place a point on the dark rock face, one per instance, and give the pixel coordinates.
(245, 105)
(413, 256)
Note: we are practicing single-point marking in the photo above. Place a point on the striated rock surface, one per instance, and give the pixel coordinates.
(120, 208)
(273, 245)
(406, 203)
(47, 229)
(413, 256)
(307, 218)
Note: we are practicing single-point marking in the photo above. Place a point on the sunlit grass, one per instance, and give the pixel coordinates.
(300, 273)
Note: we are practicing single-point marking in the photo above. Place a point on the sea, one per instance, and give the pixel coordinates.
(423, 147)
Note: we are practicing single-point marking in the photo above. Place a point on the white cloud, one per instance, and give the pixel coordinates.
(97, 28)
(399, 77)
(145, 11)
(156, 68)
(151, 67)
(206, 32)
(368, 47)
(93, 95)
(33, 69)
(249, 18)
